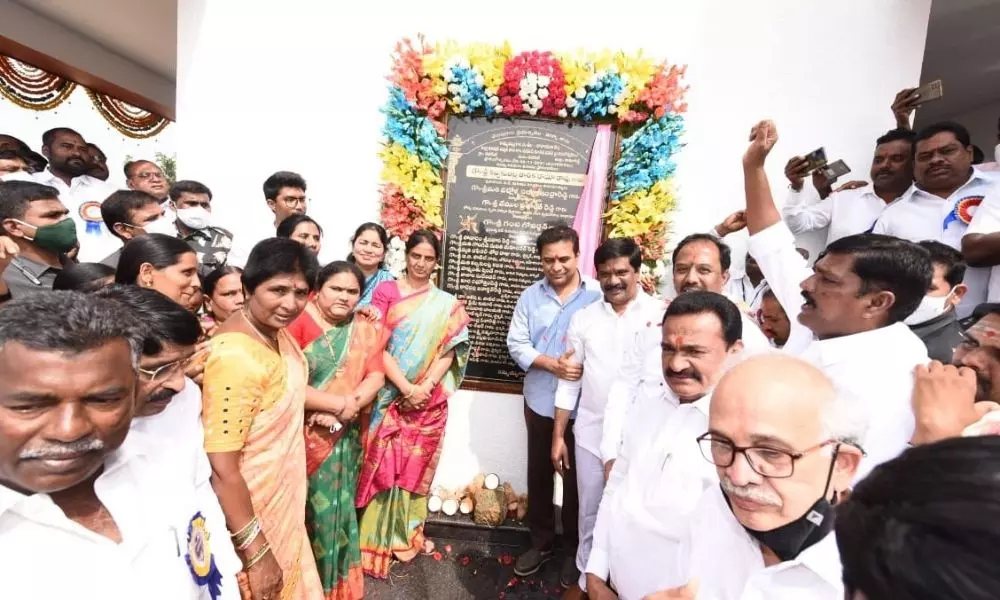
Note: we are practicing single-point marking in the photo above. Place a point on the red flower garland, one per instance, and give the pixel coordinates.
(550, 90)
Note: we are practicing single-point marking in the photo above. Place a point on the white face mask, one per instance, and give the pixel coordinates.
(162, 225)
(195, 217)
(930, 307)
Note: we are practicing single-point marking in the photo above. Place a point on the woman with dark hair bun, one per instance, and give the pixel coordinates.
(425, 358)
(344, 352)
(369, 245)
(304, 230)
(84, 277)
(163, 263)
(254, 404)
(223, 295)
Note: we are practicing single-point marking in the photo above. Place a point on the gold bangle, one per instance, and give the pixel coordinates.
(246, 528)
(257, 557)
(244, 543)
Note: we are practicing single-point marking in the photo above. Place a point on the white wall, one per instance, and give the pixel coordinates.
(312, 106)
(46, 36)
(982, 124)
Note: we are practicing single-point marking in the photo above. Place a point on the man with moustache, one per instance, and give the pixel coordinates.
(852, 211)
(659, 474)
(598, 335)
(774, 321)
(857, 295)
(168, 405)
(701, 261)
(786, 447)
(82, 194)
(114, 522)
(943, 202)
(97, 163)
(537, 343)
(147, 176)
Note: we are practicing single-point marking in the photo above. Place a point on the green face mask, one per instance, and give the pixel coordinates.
(57, 237)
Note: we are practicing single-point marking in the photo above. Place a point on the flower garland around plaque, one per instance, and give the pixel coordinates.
(644, 97)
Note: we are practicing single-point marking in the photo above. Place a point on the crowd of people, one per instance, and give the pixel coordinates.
(189, 415)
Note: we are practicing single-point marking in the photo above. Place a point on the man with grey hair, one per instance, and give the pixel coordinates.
(111, 523)
(786, 447)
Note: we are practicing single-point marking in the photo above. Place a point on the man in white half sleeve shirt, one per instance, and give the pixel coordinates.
(598, 336)
(786, 447)
(851, 211)
(847, 312)
(942, 203)
(700, 261)
(660, 475)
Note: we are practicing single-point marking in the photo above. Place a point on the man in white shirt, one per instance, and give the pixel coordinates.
(598, 336)
(112, 521)
(701, 261)
(785, 446)
(285, 193)
(147, 176)
(168, 407)
(943, 201)
(981, 242)
(82, 194)
(855, 300)
(659, 474)
(852, 211)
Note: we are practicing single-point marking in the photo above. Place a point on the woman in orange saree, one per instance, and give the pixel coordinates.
(425, 357)
(345, 362)
(254, 403)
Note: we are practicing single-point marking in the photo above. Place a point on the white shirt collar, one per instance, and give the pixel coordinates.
(846, 347)
(10, 498)
(977, 176)
(641, 299)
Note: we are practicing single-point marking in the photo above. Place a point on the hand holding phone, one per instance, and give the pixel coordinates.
(815, 160)
(835, 170)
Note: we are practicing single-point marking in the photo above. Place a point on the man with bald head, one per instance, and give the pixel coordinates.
(659, 475)
(785, 446)
(146, 176)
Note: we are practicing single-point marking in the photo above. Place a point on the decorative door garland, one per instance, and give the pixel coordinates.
(34, 89)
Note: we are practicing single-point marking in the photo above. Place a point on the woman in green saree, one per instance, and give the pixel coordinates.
(344, 353)
(425, 357)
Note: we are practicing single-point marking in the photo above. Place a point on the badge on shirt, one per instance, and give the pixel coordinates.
(964, 211)
(199, 557)
(91, 212)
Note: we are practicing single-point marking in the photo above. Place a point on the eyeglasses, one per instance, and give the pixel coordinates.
(166, 371)
(769, 462)
(150, 175)
(292, 201)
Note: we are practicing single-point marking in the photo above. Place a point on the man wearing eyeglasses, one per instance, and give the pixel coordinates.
(659, 474)
(147, 176)
(118, 515)
(285, 193)
(786, 447)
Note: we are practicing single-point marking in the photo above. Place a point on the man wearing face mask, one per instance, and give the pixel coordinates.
(129, 214)
(786, 447)
(192, 202)
(847, 311)
(935, 321)
(33, 217)
(659, 474)
(598, 336)
(68, 157)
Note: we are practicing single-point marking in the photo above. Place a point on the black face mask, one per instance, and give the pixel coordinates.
(789, 540)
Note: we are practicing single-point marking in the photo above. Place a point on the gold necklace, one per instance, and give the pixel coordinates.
(271, 343)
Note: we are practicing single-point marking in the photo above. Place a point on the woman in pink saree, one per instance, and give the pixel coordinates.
(425, 358)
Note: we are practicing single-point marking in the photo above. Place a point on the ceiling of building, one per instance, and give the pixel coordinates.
(143, 31)
(962, 51)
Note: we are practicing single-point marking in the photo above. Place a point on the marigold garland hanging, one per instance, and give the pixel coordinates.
(32, 88)
(645, 96)
(131, 121)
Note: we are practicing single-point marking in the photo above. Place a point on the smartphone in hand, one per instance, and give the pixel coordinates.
(835, 170)
(931, 91)
(815, 159)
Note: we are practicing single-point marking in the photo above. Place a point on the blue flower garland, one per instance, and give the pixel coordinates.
(647, 155)
(404, 125)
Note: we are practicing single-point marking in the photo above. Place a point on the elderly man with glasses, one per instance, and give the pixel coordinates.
(786, 447)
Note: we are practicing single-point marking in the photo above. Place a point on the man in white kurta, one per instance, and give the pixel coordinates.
(943, 201)
(700, 262)
(847, 312)
(659, 474)
(785, 446)
(598, 336)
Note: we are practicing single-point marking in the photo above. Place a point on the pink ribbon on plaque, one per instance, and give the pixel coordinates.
(587, 222)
